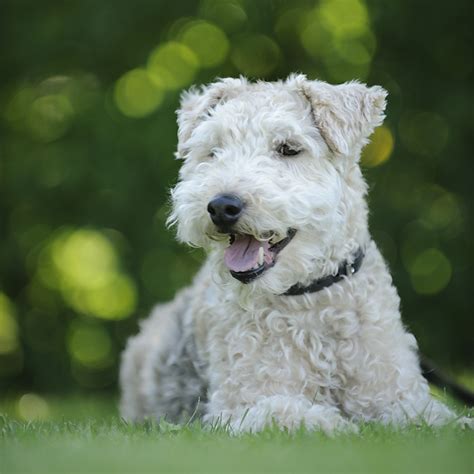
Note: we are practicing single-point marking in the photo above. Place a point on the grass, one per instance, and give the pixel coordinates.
(83, 435)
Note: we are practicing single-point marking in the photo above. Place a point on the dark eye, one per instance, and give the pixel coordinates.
(285, 149)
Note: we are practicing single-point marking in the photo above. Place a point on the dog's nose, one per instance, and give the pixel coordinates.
(225, 210)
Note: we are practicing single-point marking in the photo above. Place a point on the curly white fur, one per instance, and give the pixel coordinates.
(245, 354)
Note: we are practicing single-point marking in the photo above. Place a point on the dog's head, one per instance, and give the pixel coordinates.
(270, 182)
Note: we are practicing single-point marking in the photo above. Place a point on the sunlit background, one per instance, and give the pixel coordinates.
(88, 91)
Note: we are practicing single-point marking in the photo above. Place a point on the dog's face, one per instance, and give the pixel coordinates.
(270, 180)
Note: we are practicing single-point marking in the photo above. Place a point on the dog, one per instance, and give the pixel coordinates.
(293, 320)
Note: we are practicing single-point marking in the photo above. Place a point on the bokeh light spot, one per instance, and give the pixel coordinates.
(355, 51)
(172, 65)
(115, 299)
(227, 13)
(444, 212)
(379, 149)
(136, 94)
(314, 38)
(430, 272)
(8, 326)
(49, 117)
(439, 210)
(45, 110)
(348, 18)
(175, 30)
(207, 41)
(32, 407)
(346, 51)
(90, 344)
(18, 106)
(84, 258)
(83, 266)
(255, 55)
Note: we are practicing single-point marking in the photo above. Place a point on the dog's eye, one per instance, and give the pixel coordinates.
(285, 149)
(213, 152)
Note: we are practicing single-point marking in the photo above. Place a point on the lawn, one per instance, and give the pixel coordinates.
(84, 435)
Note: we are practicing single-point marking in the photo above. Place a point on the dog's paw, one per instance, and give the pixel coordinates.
(285, 413)
(329, 420)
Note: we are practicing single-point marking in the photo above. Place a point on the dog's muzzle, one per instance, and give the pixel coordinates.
(247, 257)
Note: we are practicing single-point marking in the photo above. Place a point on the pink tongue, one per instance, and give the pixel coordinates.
(242, 255)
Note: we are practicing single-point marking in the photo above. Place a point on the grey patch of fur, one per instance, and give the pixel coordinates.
(181, 377)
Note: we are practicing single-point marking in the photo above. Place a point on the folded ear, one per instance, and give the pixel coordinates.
(197, 103)
(346, 114)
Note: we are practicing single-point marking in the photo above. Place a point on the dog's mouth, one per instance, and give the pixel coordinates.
(247, 257)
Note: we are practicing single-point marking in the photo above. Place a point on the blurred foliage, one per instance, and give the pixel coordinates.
(87, 134)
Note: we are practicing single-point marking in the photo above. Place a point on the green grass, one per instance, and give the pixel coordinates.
(83, 435)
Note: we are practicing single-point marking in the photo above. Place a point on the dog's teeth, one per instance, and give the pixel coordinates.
(260, 256)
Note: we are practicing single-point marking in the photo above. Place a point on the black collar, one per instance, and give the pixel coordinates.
(345, 269)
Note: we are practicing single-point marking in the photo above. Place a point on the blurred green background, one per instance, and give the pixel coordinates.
(88, 91)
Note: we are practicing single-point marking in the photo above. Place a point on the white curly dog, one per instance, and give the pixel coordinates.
(293, 319)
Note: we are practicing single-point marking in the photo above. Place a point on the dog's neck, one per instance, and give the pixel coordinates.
(346, 269)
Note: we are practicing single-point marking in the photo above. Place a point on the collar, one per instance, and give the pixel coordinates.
(345, 269)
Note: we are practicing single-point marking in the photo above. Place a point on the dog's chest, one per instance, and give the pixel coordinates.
(302, 350)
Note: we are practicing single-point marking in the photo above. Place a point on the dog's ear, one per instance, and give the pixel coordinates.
(346, 114)
(197, 103)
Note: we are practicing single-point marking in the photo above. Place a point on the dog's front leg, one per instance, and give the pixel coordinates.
(286, 412)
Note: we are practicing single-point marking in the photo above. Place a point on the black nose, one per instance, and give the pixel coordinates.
(225, 210)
